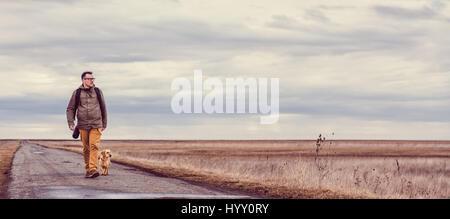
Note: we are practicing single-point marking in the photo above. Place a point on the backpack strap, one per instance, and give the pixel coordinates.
(99, 98)
(77, 98)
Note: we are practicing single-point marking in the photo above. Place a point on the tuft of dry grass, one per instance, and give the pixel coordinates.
(7, 150)
(296, 169)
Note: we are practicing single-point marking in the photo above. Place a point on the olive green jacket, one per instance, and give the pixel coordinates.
(89, 113)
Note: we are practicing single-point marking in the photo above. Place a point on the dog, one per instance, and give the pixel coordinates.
(105, 161)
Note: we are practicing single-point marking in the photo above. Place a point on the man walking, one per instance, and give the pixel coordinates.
(88, 103)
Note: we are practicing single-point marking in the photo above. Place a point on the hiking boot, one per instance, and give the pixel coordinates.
(92, 174)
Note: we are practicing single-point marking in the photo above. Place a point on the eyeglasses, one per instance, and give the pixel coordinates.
(89, 79)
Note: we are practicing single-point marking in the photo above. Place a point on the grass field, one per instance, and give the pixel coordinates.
(7, 150)
(293, 169)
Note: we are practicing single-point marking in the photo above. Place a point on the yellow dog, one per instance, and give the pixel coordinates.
(105, 161)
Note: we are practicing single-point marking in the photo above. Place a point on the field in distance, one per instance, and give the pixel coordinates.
(294, 168)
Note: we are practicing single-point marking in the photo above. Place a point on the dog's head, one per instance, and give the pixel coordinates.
(106, 153)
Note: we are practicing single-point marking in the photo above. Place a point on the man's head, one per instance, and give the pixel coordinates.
(88, 79)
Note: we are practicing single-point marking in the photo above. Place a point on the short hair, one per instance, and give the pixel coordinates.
(85, 73)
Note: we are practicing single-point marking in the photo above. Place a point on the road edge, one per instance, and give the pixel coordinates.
(4, 186)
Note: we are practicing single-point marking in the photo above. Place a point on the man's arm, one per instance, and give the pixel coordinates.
(70, 112)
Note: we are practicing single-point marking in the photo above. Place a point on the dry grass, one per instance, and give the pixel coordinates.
(292, 169)
(7, 150)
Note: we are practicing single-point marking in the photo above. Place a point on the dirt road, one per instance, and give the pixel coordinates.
(39, 172)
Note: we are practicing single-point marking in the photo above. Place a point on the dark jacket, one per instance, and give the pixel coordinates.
(89, 113)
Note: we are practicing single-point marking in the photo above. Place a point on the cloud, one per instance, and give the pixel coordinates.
(317, 15)
(405, 13)
(433, 10)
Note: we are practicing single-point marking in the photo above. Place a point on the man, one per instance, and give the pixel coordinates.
(91, 119)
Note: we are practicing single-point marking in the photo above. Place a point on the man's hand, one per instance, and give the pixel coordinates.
(103, 129)
(71, 127)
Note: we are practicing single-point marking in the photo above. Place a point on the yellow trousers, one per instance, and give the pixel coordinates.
(91, 141)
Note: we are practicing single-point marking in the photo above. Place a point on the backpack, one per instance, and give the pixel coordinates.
(76, 132)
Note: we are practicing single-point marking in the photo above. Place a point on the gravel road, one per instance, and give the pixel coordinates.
(44, 173)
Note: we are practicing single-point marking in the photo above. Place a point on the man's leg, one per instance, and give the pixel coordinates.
(94, 142)
(84, 134)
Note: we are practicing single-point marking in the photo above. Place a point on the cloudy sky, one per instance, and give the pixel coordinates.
(360, 69)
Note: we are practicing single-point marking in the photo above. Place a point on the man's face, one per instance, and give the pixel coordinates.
(88, 81)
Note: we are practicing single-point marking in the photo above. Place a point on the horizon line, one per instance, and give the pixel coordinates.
(50, 139)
